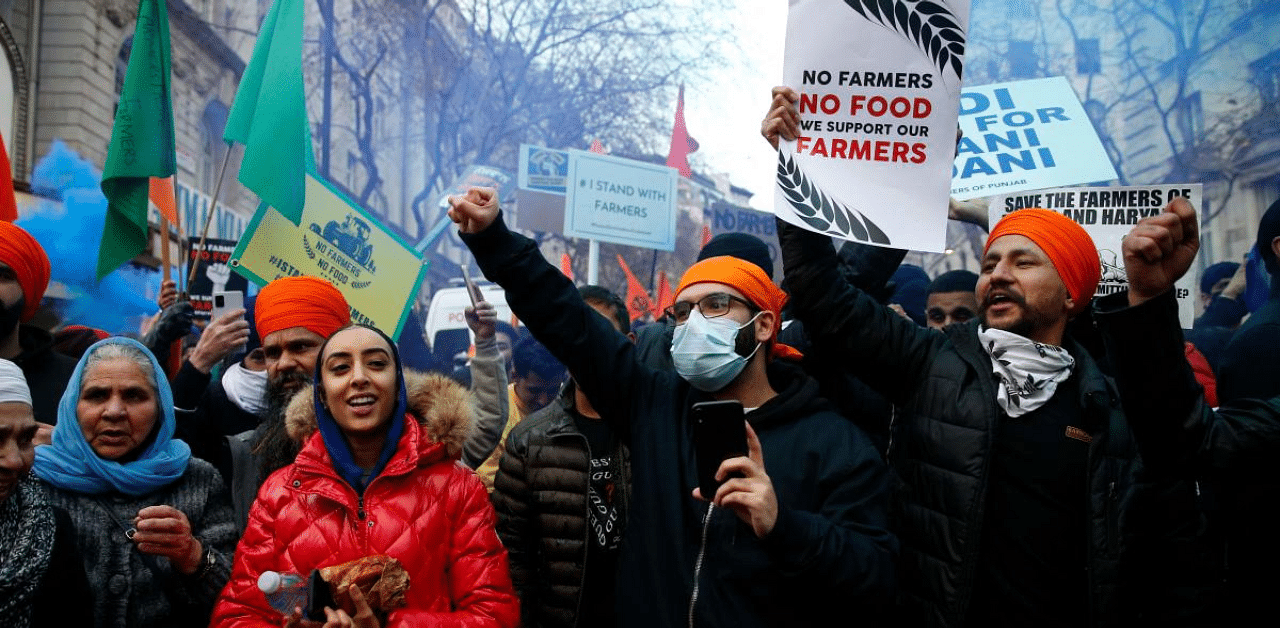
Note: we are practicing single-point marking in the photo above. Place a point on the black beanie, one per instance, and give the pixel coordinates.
(1268, 230)
(743, 246)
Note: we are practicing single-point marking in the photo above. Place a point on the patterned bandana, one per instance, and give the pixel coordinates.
(1029, 372)
(26, 545)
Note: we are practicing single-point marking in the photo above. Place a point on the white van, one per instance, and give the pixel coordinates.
(445, 326)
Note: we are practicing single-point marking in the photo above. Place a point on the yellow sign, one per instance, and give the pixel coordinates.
(377, 272)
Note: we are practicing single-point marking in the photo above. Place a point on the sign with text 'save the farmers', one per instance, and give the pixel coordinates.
(1027, 135)
(1108, 214)
(377, 271)
(621, 201)
(879, 84)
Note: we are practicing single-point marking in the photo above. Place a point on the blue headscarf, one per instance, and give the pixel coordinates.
(343, 462)
(70, 463)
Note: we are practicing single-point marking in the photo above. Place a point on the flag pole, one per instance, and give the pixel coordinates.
(213, 207)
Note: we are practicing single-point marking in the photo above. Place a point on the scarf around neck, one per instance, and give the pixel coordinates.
(26, 547)
(1029, 372)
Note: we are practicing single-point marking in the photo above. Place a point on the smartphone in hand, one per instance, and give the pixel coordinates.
(473, 290)
(224, 302)
(719, 433)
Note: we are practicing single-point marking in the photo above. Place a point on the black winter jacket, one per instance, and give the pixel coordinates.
(1229, 449)
(540, 493)
(683, 563)
(1149, 561)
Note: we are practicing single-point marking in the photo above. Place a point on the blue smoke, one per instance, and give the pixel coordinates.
(70, 233)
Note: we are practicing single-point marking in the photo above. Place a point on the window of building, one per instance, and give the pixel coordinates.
(1023, 62)
(212, 149)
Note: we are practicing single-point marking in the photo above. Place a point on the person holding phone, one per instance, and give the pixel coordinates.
(797, 531)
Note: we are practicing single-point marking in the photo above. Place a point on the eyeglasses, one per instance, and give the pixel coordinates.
(711, 306)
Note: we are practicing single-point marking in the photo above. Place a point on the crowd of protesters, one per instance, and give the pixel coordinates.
(990, 449)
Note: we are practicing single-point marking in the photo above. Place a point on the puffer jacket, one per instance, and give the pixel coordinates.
(424, 509)
(1151, 557)
(540, 493)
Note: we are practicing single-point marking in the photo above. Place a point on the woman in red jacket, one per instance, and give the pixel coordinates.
(377, 474)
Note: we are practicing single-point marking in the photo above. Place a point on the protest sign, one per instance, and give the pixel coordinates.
(480, 176)
(377, 271)
(213, 273)
(724, 217)
(1108, 214)
(543, 169)
(879, 87)
(621, 201)
(1027, 135)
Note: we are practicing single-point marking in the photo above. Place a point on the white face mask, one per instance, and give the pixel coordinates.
(246, 389)
(703, 352)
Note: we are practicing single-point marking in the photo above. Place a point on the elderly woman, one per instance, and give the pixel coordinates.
(39, 569)
(153, 525)
(377, 475)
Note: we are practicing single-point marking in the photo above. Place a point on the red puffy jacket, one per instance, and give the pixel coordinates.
(424, 509)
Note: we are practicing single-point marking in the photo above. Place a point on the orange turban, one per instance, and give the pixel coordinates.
(1067, 244)
(750, 280)
(27, 258)
(304, 301)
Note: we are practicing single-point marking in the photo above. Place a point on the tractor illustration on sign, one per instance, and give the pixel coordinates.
(351, 237)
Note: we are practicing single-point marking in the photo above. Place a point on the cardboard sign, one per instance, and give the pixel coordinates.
(1108, 214)
(879, 90)
(621, 201)
(1027, 135)
(377, 272)
(213, 273)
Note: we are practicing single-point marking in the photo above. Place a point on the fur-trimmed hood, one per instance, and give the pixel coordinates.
(441, 405)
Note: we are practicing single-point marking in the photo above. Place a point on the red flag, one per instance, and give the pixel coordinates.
(665, 298)
(681, 143)
(706, 235)
(566, 266)
(638, 301)
(597, 147)
(8, 204)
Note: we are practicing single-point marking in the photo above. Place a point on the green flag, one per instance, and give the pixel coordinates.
(269, 115)
(141, 140)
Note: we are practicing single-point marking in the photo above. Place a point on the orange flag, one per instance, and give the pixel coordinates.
(161, 193)
(597, 147)
(706, 235)
(566, 266)
(8, 204)
(638, 301)
(665, 298)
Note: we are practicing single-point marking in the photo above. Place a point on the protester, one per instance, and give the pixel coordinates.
(152, 524)
(1010, 445)
(1233, 446)
(806, 540)
(39, 569)
(951, 299)
(235, 401)
(561, 496)
(377, 476)
(24, 276)
(293, 316)
(1257, 341)
(537, 380)
(488, 369)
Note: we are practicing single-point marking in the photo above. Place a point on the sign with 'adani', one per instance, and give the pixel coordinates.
(337, 240)
(1027, 135)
